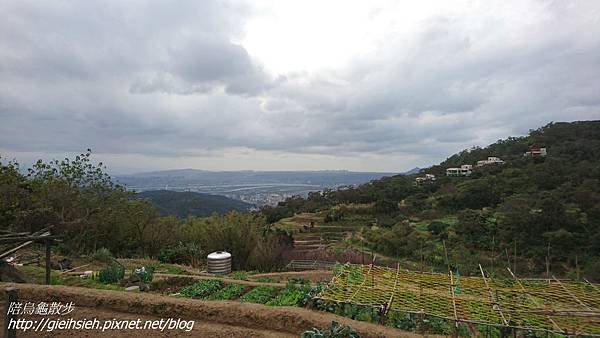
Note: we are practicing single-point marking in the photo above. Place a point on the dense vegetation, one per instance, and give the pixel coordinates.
(536, 214)
(188, 203)
(90, 212)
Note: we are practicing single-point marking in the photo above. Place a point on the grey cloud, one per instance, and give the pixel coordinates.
(202, 66)
(163, 80)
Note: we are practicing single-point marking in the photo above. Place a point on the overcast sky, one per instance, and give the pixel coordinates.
(289, 85)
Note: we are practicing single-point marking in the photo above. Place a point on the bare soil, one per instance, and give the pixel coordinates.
(212, 318)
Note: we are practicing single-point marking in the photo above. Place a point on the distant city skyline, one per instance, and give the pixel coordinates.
(288, 85)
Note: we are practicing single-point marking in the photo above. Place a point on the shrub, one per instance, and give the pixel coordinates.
(103, 255)
(111, 274)
(189, 253)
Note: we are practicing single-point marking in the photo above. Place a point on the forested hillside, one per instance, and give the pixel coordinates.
(89, 212)
(538, 214)
(188, 203)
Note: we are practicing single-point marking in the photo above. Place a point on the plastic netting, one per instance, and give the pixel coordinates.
(552, 305)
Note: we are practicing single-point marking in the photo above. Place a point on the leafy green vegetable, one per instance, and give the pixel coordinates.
(231, 291)
(336, 331)
(202, 288)
(292, 295)
(259, 295)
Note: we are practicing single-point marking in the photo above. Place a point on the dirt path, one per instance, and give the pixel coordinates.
(225, 280)
(313, 276)
(212, 318)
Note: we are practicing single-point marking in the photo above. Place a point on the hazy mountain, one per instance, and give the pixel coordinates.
(412, 171)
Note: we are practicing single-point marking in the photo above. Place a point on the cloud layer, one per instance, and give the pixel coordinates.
(177, 86)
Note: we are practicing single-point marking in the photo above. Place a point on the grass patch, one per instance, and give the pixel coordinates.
(172, 269)
(92, 283)
(38, 275)
(239, 275)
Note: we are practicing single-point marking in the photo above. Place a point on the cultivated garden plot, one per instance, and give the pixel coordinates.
(555, 306)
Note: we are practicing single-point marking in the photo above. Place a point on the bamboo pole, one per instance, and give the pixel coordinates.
(570, 293)
(453, 299)
(493, 301)
(389, 303)
(446, 255)
(524, 291)
(592, 285)
(361, 284)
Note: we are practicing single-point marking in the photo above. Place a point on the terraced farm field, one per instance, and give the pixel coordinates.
(310, 232)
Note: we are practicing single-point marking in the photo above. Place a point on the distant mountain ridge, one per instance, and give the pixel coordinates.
(187, 203)
(412, 171)
(188, 177)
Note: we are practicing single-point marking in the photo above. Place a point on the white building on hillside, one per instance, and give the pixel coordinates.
(536, 152)
(464, 170)
(490, 160)
(428, 178)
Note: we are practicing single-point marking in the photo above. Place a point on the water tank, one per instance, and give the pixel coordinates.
(219, 262)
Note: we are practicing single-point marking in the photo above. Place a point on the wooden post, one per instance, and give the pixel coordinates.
(363, 250)
(577, 267)
(47, 262)
(548, 262)
(422, 257)
(446, 255)
(493, 253)
(12, 296)
(515, 258)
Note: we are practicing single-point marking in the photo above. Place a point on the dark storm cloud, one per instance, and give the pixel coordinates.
(157, 79)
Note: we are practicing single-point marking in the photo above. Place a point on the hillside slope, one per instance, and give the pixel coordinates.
(183, 204)
(541, 214)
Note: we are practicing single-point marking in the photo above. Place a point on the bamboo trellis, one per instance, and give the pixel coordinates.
(554, 306)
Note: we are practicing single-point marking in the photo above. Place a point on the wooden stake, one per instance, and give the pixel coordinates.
(47, 262)
(548, 261)
(577, 267)
(12, 296)
(493, 253)
(515, 258)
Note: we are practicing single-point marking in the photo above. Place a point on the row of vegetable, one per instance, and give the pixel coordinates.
(295, 293)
